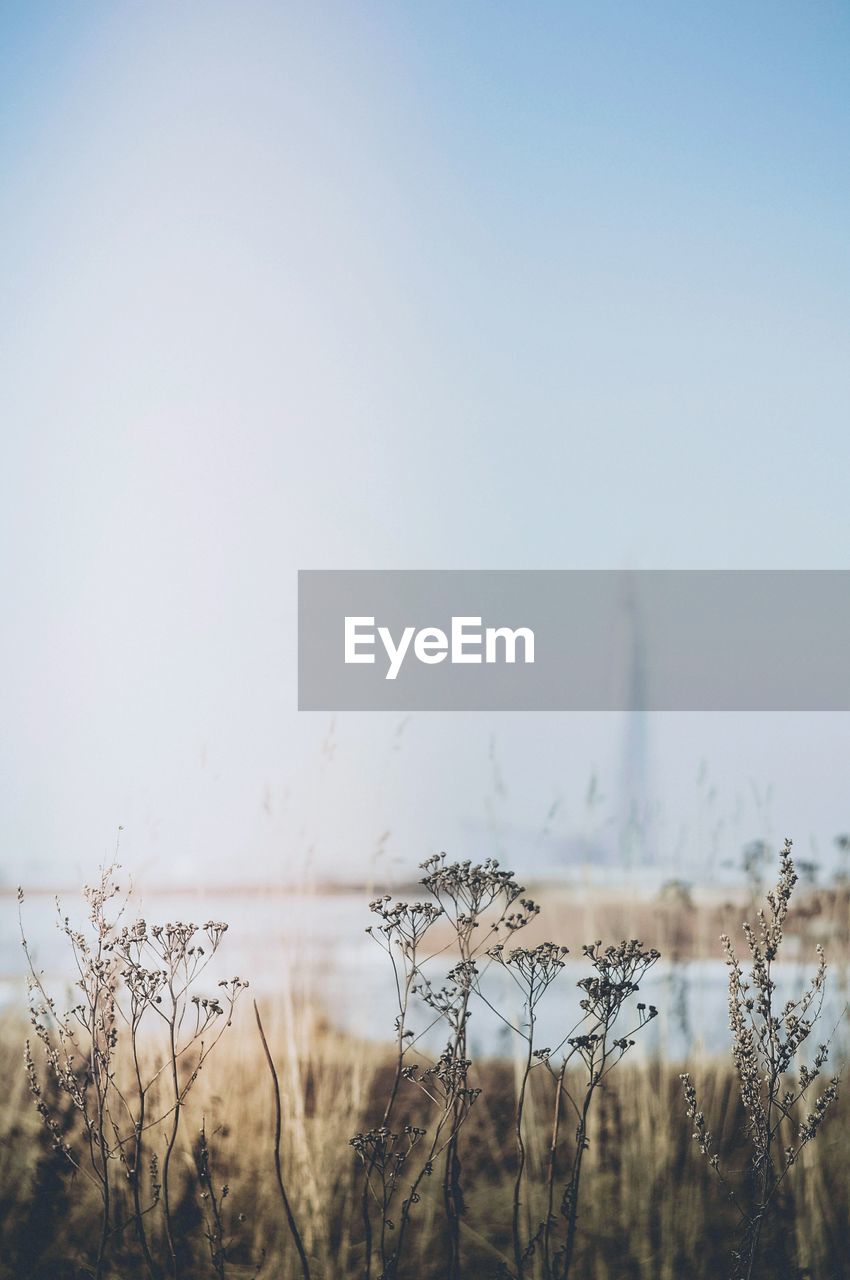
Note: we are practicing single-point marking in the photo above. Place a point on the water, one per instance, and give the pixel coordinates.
(315, 946)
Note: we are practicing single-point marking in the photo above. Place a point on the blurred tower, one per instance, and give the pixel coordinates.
(634, 807)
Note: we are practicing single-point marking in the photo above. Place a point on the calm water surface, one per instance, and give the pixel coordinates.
(315, 946)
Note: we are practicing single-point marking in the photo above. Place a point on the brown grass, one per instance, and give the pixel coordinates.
(646, 1207)
(649, 1206)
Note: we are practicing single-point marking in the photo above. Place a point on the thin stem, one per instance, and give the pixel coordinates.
(551, 1170)
(278, 1125)
(139, 1129)
(172, 1138)
(520, 1149)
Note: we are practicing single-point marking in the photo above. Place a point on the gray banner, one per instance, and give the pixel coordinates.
(444, 640)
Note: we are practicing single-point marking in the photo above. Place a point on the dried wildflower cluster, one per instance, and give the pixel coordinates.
(475, 902)
(767, 1041)
(473, 916)
(126, 1056)
(533, 969)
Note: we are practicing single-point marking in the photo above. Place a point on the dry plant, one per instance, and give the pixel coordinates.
(767, 1040)
(213, 1197)
(473, 897)
(467, 897)
(278, 1163)
(481, 904)
(616, 974)
(127, 1085)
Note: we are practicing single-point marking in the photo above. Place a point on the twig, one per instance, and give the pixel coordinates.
(290, 1218)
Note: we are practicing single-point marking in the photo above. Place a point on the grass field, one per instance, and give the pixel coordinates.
(650, 1205)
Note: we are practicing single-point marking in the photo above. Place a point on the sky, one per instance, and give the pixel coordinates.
(404, 286)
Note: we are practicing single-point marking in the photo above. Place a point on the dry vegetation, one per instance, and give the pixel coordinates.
(571, 1160)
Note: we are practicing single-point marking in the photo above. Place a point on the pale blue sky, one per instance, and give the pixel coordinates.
(439, 285)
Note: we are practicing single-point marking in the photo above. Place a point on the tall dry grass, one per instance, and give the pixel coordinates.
(649, 1207)
(650, 1210)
